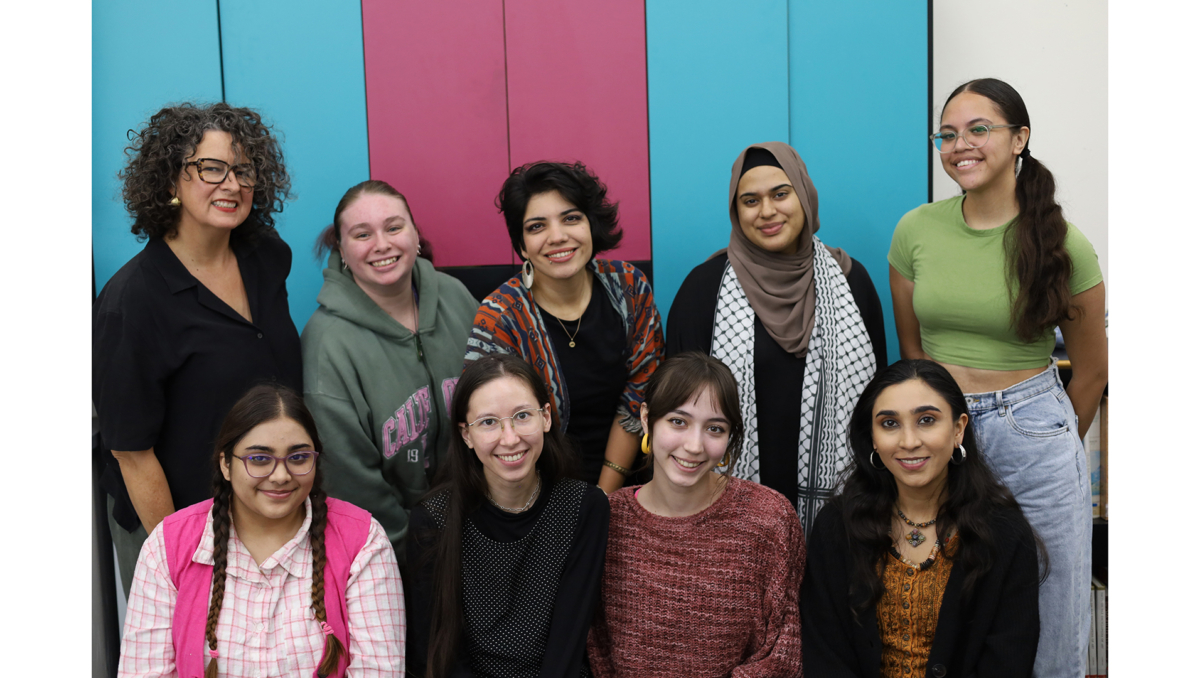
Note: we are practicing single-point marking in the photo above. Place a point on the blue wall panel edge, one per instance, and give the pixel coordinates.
(145, 55)
(717, 81)
(859, 118)
(300, 64)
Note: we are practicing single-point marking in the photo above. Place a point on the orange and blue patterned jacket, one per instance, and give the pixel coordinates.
(506, 323)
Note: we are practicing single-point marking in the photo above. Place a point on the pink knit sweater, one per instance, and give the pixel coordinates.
(712, 594)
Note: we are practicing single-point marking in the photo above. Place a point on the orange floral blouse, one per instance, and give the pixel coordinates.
(908, 612)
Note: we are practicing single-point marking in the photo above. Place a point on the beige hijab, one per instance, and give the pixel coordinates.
(778, 286)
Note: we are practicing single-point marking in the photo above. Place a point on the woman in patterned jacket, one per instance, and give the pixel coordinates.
(798, 323)
(588, 326)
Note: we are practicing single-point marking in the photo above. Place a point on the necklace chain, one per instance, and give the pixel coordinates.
(570, 336)
(911, 523)
(536, 491)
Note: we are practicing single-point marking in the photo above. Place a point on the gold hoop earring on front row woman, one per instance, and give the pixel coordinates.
(645, 443)
(724, 460)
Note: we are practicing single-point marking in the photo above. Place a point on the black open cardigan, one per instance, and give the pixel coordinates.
(994, 633)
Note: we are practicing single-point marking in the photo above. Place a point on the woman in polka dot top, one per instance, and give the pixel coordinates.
(507, 550)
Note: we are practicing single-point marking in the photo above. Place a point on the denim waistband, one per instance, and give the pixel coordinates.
(1033, 386)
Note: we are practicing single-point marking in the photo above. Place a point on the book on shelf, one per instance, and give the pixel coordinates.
(1097, 658)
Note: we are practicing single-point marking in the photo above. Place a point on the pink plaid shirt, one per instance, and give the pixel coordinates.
(267, 627)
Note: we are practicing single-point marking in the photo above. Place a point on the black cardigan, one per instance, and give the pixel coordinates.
(995, 633)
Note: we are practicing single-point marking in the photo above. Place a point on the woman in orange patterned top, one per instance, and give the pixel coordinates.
(923, 564)
(588, 326)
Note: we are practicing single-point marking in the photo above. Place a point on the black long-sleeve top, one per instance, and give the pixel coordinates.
(778, 375)
(992, 633)
(528, 593)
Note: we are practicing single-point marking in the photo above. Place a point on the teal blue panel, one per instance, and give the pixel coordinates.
(717, 74)
(145, 54)
(300, 64)
(860, 118)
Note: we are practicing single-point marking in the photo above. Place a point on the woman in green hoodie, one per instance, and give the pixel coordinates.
(382, 355)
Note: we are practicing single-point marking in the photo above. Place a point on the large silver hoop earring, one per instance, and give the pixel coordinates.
(880, 465)
(527, 274)
(962, 456)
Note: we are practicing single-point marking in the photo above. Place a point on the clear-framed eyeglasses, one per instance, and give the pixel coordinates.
(522, 422)
(298, 463)
(975, 136)
(213, 171)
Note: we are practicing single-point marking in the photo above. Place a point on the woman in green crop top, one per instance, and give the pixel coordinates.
(979, 282)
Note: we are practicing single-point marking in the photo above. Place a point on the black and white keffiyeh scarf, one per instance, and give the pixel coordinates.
(840, 362)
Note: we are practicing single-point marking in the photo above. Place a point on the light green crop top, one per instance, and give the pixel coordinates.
(960, 294)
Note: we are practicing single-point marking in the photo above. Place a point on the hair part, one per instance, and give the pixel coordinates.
(157, 151)
(867, 496)
(330, 238)
(1039, 266)
(461, 477)
(260, 405)
(681, 379)
(576, 184)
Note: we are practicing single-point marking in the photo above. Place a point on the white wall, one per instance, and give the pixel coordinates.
(1055, 53)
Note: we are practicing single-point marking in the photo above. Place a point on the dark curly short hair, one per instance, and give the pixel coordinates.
(576, 184)
(157, 151)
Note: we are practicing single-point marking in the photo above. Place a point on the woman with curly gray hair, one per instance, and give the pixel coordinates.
(195, 318)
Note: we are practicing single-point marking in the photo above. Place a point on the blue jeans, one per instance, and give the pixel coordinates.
(1029, 435)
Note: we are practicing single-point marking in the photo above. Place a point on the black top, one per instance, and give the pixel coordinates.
(778, 375)
(169, 359)
(528, 593)
(595, 374)
(991, 633)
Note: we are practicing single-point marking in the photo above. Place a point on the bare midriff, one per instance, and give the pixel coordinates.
(978, 380)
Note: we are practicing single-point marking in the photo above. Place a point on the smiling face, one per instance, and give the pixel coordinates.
(225, 205)
(279, 497)
(508, 455)
(689, 441)
(378, 241)
(769, 210)
(557, 237)
(915, 432)
(994, 162)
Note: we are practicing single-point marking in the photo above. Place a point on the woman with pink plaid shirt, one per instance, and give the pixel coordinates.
(270, 577)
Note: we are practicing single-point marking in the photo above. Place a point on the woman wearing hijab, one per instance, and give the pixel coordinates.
(798, 322)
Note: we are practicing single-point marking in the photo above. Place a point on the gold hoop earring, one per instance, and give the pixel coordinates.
(645, 443)
(724, 461)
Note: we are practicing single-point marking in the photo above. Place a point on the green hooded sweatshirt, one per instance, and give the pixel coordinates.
(380, 394)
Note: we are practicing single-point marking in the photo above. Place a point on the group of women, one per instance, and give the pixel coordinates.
(808, 509)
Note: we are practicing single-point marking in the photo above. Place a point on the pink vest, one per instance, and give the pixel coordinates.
(346, 530)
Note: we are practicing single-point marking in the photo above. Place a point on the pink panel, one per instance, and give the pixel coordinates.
(436, 120)
(577, 91)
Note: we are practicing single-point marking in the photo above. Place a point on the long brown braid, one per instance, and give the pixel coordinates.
(316, 538)
(220, 522)
(259, 405)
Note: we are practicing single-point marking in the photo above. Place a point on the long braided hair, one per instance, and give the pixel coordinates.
(1039, 266)
(260, 405)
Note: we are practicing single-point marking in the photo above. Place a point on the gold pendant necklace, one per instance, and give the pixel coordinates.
(570, 336)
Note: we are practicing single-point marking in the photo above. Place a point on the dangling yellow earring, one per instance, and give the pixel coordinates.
(724, 461)
(645, 443)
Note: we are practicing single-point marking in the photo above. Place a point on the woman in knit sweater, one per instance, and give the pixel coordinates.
(507, 549)
(923, 564)
(703, 569)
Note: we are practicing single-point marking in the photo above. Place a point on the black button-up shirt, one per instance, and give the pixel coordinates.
(169, 359)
